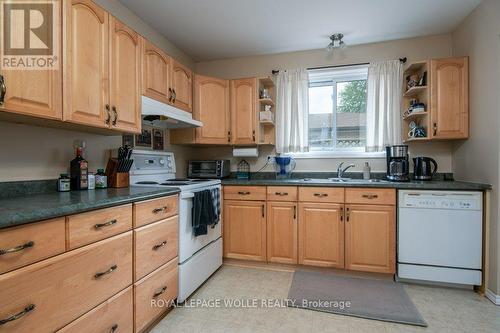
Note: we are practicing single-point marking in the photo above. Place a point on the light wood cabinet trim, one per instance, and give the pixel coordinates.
(89, 227)
(125, 87)
(34, 242)
(450, 98)
(371, 196)
(154, 210)
(244, 113)
(370, 238)
(321, 241)
(117, 311)
(282, 193)
(64, 287)
(154, 245)
(181, 79)
(321, 194)
(151, 285)
(282, 232)
(156, 68)
(245, 229)
(86, 92)
(245, 193)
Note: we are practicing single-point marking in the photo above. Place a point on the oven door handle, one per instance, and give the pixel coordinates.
(187, 195)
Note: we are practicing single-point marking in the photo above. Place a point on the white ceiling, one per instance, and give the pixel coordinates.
(217, 29)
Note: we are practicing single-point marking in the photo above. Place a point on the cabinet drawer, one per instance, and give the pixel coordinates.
(160, 287)
(282, 193)
(23, 245)
(114, 315)
(58, 290)
(376, 196)
(99, 224)
(321, 194)
(155, 244)
(150, 211)
(244, 193)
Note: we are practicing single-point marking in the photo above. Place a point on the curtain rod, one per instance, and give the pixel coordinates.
(276, 71)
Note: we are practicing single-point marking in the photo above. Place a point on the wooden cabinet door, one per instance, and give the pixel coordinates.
(245, 230)
(125, 96)
(450, 98)
(212, 108)
(243, 111)
(182, 86)
(321, 234)
(370, 233)
(86, 61)
(282, 232)
(155, 73)
(34, 92)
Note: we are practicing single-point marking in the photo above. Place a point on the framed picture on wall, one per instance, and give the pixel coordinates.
(144, 139)
(157, 139)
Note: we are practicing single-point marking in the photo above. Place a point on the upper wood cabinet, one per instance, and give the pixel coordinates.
(155, 73)
(245, 230)
(244, 115)
(102, 69)
(370, 244)
(450, 98)
(321, 234)
(34, 92)
(181, 83)
(125, 94)
(282, 232)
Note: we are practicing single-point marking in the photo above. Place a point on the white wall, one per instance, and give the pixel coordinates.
(477, 159)
(414, 49)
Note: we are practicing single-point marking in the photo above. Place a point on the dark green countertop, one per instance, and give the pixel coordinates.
(412, 185)
(28, 208)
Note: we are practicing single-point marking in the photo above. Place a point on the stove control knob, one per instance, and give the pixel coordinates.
(162, 161)
(169, 164)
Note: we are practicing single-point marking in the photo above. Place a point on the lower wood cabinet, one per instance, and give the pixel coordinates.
(370, 232)
(114, 315)
(321, 234)
(282, 232)
(245, 230)
(154, 294)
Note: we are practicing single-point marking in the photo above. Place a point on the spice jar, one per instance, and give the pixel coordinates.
(63, 183)
(101, 180)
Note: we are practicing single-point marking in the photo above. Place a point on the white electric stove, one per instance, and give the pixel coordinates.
(201, 256)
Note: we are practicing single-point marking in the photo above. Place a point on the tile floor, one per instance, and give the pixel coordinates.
(444, 309)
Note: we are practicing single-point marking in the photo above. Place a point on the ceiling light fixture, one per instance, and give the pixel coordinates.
(336, 42)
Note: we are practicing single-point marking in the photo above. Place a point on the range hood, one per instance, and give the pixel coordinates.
(162, 115)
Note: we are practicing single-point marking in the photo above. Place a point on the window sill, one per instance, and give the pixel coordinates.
(338, 154)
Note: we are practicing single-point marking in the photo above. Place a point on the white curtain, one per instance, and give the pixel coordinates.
(292, 103)
(383, 106)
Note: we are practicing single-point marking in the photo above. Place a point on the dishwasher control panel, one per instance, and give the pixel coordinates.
(441, 200)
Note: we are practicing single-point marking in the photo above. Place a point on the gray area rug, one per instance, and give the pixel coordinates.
(360, 297)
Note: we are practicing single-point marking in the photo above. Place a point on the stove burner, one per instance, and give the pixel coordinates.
(177, 183)
(147, 182)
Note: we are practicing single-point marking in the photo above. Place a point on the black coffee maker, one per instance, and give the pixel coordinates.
(398, 165)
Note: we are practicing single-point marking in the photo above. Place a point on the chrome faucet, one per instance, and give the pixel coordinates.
(341, 172)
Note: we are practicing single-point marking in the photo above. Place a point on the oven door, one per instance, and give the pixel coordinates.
(188, 243)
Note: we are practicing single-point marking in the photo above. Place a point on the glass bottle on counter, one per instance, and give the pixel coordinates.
(79, 169)
(101, 181)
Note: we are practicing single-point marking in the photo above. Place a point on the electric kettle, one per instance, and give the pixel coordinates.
(424, 168)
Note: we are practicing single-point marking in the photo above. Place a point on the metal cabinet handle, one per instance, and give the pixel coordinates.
(160, 210)
(3, 90)
(228, 136)
(347, 214)
(158, 293)
(108, 119)
(243, 193)
(281, 193)
(435, 128)
(253, 135)
(113, 328)
(170, 94)
(175, 95)
(106, 224)
(321, 195)
(294, 212)
(17, 248)
(116, 115)
(370, 196)
(157, 246)
(101, 274)
(341, 214)
(19, 315)
(263, 210)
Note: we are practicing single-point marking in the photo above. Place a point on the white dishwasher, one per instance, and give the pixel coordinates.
(440, 236)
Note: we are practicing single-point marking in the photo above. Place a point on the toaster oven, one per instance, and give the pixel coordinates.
(209, 169)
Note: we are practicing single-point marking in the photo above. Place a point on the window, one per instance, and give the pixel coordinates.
(337, 109)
